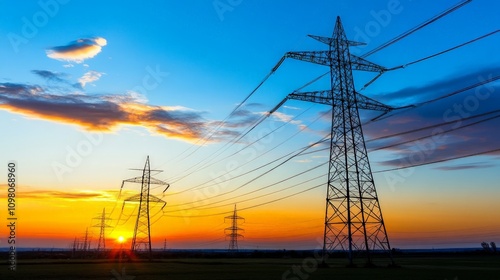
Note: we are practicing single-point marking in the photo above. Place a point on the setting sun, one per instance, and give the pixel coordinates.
(120, 239)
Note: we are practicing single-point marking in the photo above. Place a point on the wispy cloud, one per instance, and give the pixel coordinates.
(50, 76)
(79, 50)
(81, 195)
(282, 117)
(465, 166)
(89, 77)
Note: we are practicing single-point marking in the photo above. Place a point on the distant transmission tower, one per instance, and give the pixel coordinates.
(353, 218)
(101, 245)
(142, 230)
(233, 230)
(86, 241)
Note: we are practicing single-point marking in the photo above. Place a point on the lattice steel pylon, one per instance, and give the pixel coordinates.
(353, 218)
(142, 230)
(233, 230)
(101, 245)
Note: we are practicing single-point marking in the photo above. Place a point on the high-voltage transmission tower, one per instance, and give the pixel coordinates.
(233, 230)
(101, 245)
(142, 230)
(353, 218)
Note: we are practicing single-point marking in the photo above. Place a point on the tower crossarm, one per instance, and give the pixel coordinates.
(367, 103)
(325, 97)
(325, 58)
(234, 235)
(137, 198)
(318, 57)
(332, 41)
(234, 228)
(361, 64)
(152, 181)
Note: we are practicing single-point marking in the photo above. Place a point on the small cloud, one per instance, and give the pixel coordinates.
(89, 77)
(79, 50)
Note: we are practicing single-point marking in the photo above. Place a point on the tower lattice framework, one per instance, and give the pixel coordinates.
(233, 230)
(353, 218)
(142, 230)
(102, 225)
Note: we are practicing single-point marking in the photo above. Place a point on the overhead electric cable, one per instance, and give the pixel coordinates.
(439, 161)
(416, 28)
(432, 126)
(246, 208)
(445, 51)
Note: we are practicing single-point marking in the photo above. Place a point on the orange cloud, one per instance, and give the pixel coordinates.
(79, 50)
(102, 113)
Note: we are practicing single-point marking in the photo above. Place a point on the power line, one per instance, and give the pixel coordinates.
(439, 161)
(283, 58)
(431, 126)
(294, 154)
(426, 58)
(249, 207)
(254, 191)
(445, 51)
(258, 122)
(216, 129)
(416, 28)
(437, 133)
(268, 151)
(486, 81)
(208, 164)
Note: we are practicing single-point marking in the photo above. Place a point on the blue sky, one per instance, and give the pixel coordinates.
(121, 81)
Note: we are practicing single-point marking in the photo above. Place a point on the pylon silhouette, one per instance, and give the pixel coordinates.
(101, 245)
(142, 230)
(233, 230)
(353, 218)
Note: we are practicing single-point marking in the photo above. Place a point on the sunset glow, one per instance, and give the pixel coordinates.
(89, 95)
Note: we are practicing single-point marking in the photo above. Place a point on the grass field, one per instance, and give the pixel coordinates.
(418, 268)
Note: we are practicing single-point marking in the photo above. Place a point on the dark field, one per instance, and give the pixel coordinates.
(412, 267)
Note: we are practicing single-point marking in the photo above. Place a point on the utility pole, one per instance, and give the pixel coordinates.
(233, 230)
(142, 230)
(353, 218)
